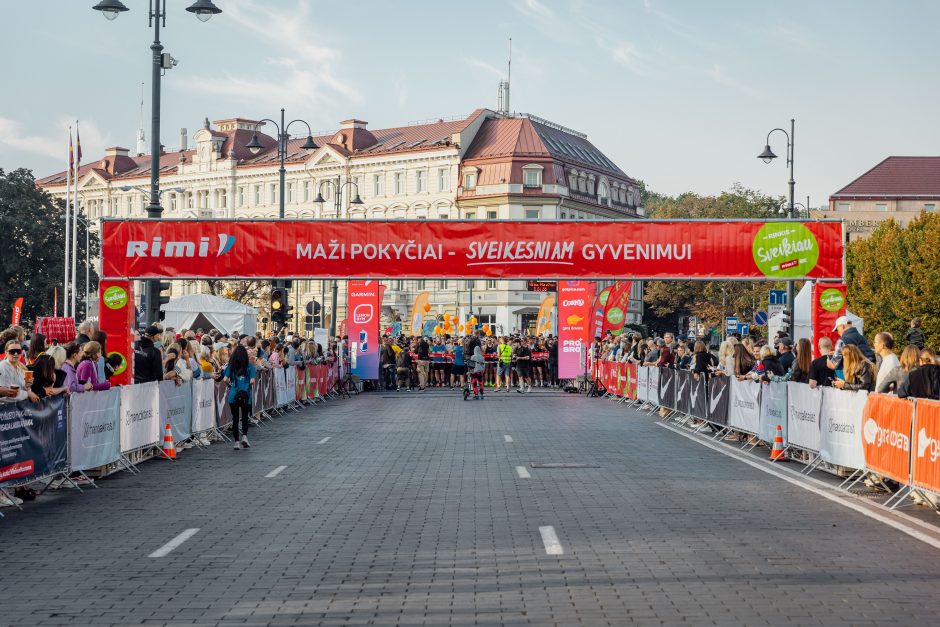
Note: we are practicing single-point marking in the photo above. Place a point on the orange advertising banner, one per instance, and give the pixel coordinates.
(926, 453)
(886, 436)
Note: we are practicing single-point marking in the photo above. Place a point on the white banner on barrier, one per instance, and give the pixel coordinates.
(744, 406)
(642, 383)
(773, 411)
(283, 394)
(140, 416)
(653, 384)
(203, 405)
(94, 434)
(176, 408)
(803, 404)
(840, 440)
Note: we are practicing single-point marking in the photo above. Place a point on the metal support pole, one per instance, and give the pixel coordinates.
(282, 154)
(790, 208)
(335, 309)
(154, 209)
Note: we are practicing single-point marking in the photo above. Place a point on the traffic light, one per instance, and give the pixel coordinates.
(279, 306)
(155, 298)
(785, 321)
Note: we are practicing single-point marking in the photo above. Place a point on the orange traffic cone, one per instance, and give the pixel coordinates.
(169, 451)
(776, 453)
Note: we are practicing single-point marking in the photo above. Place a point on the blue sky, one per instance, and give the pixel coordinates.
(680, 94)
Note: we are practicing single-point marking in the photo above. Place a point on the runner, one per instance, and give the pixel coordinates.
(504, 353)
(476, 377)
(523, 357)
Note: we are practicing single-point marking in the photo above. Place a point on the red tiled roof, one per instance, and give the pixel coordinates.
(910, 177)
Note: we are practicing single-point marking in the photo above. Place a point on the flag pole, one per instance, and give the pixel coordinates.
(75, 208)
(68, 226)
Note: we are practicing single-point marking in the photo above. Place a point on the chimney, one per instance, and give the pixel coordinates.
(182, 139)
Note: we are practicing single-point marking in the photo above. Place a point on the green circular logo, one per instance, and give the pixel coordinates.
(832, 300)
(615, 315)
(115, 297)
(121, 367)
(605, 294)
(785, 250)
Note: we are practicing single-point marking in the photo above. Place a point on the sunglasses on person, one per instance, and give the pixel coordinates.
(15, 351)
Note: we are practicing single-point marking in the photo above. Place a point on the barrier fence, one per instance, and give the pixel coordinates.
(869, 434)
(118, 427)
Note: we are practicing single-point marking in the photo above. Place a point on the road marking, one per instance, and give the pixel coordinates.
(550, 540)
(175, 542)
(846, 499)
(324, 440)
(522, 472)
(275, 472)
(508, 438)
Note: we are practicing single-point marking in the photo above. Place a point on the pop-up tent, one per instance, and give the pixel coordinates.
(210, 312)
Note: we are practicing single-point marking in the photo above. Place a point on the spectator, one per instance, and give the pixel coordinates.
(819, 371)
(87, 371)
(859, 371)
(102, 338)
(683, 359)
(785, 353)
(85, 330)
(37, 346)
(72, 355)
(743, 361)
(403, 370)
(423, 351)
(44, 378)
(670, 340)
(726, 355)
(241, 376)
(665, 354)
(701, 360)
(802, 362)
(148, 363)
(923, 381)
(915, 335)
(849, 336)
(652, 354)
(889, 367)
(58, 356)
(13, 372)
(928, 356)
(111, 363)
(769, 364)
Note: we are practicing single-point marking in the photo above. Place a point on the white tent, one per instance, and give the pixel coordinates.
(195, 310)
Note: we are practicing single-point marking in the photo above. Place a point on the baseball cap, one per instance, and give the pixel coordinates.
(786, 341)
(840, 321)
(151, 331)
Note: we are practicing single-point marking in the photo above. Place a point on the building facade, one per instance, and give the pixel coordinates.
(487, 166)
(898, 188)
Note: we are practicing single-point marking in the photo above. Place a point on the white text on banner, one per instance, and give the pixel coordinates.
(744, 406)
(803, 406)
(840, 440)
(94, 433)
(140, 416)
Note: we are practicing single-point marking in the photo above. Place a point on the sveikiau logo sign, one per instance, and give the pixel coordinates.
(785, 250)
(831, 299)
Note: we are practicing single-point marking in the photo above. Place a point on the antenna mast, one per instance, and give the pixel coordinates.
(141, 141)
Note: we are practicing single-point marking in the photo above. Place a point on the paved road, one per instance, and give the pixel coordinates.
(413, 512)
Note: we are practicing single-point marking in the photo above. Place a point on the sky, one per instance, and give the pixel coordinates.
(680, 94)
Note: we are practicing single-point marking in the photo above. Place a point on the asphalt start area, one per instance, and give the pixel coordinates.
(541, 509)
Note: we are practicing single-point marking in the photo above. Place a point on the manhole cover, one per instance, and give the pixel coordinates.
(562, 465)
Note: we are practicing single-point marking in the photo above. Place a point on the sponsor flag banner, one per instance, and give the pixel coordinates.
(33, 440)
(886, 436)
(803, 410)
(117, 316)
(17, 310)
(926, 454)
(543, 323)
(600, 304)
(176, 408)
(574, 325)
(653, 394)
(643, 383)
(140, 416)
(94, 434)
(364, 306)
(391, 249)
(614, 311)
(223, 411)
(684, 392)
(667, 389)
(744, 406)
(418, 314)
(773, 411)
(631, 384)
(840, 427)
(699, 401)
(203, 405)
(719, 400)
(828, 305)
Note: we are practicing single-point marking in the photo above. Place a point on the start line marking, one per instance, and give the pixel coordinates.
(324, 440)
(522, 472)
(550, 540)
(827, 492)
(275, 472)
(508, 438)
(164, 550)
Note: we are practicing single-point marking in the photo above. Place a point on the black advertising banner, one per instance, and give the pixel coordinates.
(684, 392)
(667, 388)
(223, 412)
(699, 401)
(33, 440)
(719, 396)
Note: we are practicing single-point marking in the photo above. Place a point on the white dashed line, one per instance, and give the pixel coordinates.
(324, 440)
(164, 550)
(522, 472)
(508, 438)
(550, 540)
(275, 472)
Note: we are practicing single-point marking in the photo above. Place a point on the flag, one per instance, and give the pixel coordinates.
(71, 153)
(600, 304)
(17, 310)
(78, 146)
(544, 322)
(418, 313)
(614, 314)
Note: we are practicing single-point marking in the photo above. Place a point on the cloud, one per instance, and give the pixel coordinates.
(717, 74)
(534, 8)
(55, 145)
(483, 65)
(627, 55)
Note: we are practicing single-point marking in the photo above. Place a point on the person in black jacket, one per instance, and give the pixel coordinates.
(148, 362)
(921, 382)
(785, 353)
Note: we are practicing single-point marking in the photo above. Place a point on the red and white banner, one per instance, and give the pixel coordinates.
(640, 249)
(116, 317)
(828, 305)
(17, 310)
(575, 299)
(364, 307)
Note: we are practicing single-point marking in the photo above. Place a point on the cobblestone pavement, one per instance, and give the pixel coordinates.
(414, 512)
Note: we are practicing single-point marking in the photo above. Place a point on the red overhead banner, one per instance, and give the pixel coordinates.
(639, 249)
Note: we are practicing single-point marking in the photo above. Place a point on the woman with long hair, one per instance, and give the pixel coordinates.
(44, 377)
(859, 372)
(102, 338)
(87, 371)
(910, 358)
(743, 361)
(13, 373)
(804, 360)
(37, 346)
(240, 375)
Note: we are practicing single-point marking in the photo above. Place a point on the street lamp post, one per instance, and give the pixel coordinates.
(338, 188)
(282, 138)
(767, 156)
(203, 10)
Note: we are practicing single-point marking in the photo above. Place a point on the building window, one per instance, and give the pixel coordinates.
(241, 196)
(563, 215)
(378, 185)
(442, 285)
(223, 199)
(422, 284)
(491, 215)
(602, 193)
(881, 206)
(930, 208)
(257, 195)
(273, 193)
(470, 180)
(443, 216)
(398, 285)
(491, 284)
(399, 183)
(420, 181)
(532, 176)
(471, 285)
(470, 215)
(443, 180)
(204, 199)
(590, 184)
(532, 214)
(290, 192)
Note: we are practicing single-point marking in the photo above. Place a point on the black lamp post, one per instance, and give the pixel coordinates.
(337, 203)
(203, 10)
(282, 138)
(767, 156)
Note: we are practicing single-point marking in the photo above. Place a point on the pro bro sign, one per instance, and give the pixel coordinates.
(640, 249)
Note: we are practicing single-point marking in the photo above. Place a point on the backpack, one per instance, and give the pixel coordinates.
(242, 385)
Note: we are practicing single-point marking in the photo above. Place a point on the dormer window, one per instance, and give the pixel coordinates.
(532, 175)
(470, 180)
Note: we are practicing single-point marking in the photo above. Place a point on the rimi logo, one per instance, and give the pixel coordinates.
(158, 248)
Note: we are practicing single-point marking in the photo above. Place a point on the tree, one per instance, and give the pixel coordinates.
(33, 259)
(668, 301)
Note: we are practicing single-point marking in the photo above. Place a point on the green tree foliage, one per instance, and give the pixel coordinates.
(667, 301)
(894, 276)
(32, 263)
